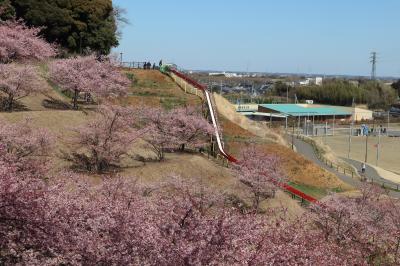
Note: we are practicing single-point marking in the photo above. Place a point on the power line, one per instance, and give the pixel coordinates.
(373, 61)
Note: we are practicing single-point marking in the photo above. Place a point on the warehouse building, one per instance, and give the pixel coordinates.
(319, 112)
(310, 117)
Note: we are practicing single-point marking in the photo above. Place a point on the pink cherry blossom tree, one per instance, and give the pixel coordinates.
(363, 226)
(190, 128)
(102, 142)
(28, 147)
(68, 221)
(88, 74)
(18, 42)
(199, 229)
(174, 129)
(19, 81)
(21, 210)
(159, 136)
(260, 172)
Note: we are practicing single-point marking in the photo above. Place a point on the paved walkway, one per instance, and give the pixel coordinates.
(370, 172)
(307, 151)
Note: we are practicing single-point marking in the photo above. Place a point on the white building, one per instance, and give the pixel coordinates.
(318, 81)
(311, 81)
(227, 75)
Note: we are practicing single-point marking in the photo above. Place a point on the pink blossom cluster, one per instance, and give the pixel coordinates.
(89, 74)
(19, 42)
(68, 221)
(175, 129)
(262, 173)
(18, 81)
(101, 143)
(367, 226)
(28, 147)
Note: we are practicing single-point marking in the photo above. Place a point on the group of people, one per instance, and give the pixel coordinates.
(148, 65)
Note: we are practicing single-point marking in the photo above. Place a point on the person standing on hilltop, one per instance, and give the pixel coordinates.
(160, 64)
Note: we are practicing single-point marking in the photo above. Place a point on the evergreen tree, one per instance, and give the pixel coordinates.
(7, 11)
(77, 25)
(396, 86)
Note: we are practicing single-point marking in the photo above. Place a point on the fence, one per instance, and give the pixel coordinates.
(345, 170)
(186, 86)
(137, 65)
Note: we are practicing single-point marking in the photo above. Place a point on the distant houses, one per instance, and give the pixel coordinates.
(311, 81)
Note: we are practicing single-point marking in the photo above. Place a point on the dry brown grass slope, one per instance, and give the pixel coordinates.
(239, 131)
(153, 89)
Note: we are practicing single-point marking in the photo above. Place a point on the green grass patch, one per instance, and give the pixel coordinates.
(145, 84)
(315, 192)
(66, 94)
(172, 102)
(145, 93)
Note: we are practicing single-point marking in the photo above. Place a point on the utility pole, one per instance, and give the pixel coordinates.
(326, 130)
(378, 146)
(388, 123)
(351, 128)
(287, 93)
(366, 148)
(350, 133)
(294, 121)
(373, 62)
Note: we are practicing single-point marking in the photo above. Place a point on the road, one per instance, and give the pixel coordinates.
(307, 151)
(370, 172)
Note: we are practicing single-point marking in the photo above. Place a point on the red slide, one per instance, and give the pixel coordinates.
(218, 137)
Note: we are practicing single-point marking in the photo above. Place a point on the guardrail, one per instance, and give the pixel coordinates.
(208, 97)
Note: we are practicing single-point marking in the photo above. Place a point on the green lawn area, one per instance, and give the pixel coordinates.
(315, 192)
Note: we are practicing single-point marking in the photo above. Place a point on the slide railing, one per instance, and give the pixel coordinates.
(213, 114)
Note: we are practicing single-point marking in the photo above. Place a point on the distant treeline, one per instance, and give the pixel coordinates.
(341, 92)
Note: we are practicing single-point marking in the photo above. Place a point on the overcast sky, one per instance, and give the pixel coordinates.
(296, 36)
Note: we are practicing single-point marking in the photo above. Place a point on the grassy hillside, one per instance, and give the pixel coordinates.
(153, 89)
(150, 87)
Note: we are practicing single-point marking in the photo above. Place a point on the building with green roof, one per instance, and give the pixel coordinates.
(302, 110)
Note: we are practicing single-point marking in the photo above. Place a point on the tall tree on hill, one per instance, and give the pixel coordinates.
(7, 11)
(77, 25)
